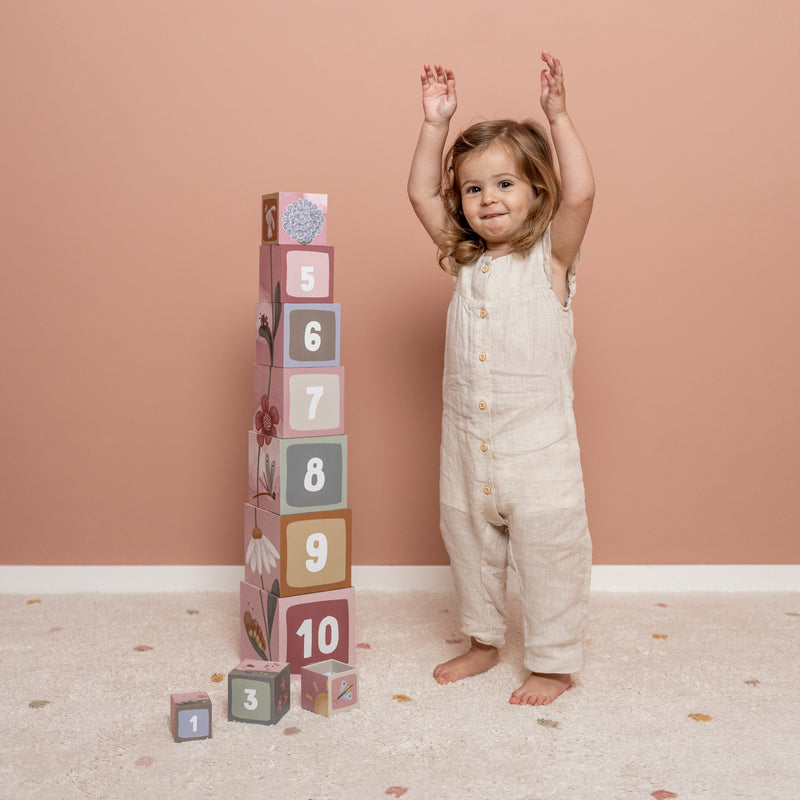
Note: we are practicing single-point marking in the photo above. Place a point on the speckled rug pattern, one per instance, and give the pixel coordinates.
(690, 696)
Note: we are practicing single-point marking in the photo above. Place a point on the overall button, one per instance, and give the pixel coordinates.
(483, 313)
(487, 489)
(485, 268)
(482, 405)
(484, 446)
(481, 356)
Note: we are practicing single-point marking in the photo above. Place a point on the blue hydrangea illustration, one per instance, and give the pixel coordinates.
(303, 220)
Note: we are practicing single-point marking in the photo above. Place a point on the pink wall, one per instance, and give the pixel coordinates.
(137, 140)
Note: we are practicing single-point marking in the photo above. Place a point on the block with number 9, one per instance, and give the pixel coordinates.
(302, 629)
(258, 691)
(298, 553)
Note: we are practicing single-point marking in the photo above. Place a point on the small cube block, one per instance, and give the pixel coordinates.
(329, 687)
(302, 629)
(297, 553)
(289, 403)
(298, 334)
(190, 716)
(295, 476)
(258, 691)
(294, 218)
(295, 274)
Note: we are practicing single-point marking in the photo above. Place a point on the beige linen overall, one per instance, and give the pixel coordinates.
(511, 486)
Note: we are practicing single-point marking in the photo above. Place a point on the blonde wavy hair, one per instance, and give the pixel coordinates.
(530, 148)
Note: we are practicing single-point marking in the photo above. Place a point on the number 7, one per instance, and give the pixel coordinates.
(315, 392)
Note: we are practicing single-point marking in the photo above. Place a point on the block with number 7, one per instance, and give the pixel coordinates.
(300, 630)
(258, 691)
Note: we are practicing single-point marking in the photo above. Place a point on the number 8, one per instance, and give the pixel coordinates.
(315, 477)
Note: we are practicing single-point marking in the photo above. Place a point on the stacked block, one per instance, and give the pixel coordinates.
(296, 598)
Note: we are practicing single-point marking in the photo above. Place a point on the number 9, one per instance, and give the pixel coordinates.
(317, 548)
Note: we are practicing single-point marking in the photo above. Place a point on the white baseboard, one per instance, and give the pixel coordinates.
(29, 580)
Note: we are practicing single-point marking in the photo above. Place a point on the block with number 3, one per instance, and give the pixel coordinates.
(300, 630)
(258, 691)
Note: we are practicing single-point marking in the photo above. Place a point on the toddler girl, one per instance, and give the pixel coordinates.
(511, 486)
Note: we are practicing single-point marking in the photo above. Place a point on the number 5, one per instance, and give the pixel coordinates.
(307, 278)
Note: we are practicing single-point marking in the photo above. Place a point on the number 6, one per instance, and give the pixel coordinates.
(312, 338)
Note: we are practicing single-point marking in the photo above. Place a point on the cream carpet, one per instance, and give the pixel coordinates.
(683, 696)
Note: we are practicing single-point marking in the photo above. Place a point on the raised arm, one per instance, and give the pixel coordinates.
(577, 182)
(425, 177)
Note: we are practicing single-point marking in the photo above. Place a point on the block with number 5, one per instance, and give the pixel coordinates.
(293, 476)
(297, 334)
(289, 403)
(294, 274)
(258, 691)
(301, 630)
(298, 553)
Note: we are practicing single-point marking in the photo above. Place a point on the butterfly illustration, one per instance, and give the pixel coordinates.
(345, 691)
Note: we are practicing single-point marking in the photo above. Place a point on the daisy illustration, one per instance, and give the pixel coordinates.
(261, 553)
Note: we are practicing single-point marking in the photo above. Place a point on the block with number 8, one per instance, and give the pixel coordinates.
(290, 403)
(292, 476)
(301, 630)
(297, 334)
(258, 691)
(297, 553)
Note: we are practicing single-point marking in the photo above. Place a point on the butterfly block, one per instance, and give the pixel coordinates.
(328, 687)
(295, 274)
(295, 476)
(258, 691)
(298, 334)
(289, 403)
(294, 218)
(300, 630)
(298, 553)
(190, 716)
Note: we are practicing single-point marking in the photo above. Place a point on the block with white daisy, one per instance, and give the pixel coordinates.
(297, 553)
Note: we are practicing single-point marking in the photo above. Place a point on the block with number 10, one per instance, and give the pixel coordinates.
(300, 630)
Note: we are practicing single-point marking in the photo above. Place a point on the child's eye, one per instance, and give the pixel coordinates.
(505, 184)
(472, 189)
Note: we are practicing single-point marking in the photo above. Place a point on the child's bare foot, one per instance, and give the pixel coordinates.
(479, 658)
(540, 689)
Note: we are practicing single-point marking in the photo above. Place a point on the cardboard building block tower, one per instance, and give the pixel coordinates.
(297, 599)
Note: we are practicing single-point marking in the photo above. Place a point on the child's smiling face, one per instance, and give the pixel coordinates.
(496, 199)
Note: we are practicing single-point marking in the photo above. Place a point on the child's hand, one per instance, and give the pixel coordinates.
(553, 97)
(438, 93)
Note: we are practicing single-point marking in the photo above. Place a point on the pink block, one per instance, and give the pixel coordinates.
(297, 553)
(295, 274)
(298, 334)
(290, 403)
(328, 687)
(294, 218)
(299, 630)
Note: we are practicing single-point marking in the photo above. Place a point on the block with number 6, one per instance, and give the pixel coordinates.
(258, 691)
(301, 630)
(292, 476)
(190, 716)
(297, 334)
(297, 553)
